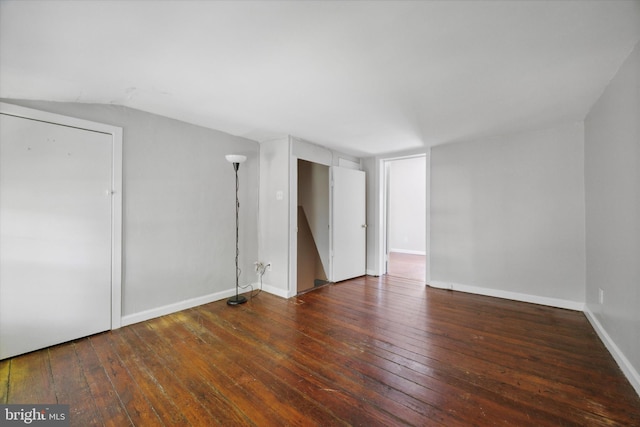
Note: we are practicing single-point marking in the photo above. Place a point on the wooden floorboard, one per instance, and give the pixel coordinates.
(368, 351)
(408, 266)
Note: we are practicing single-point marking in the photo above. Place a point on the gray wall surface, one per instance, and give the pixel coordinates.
(612, 179)
(507, 213)
(178, 206)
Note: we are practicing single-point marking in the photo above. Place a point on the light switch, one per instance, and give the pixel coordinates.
(279, 195)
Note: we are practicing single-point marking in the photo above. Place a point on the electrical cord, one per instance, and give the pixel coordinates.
(261, 268)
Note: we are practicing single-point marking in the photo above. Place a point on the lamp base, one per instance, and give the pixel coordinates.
(236, 300)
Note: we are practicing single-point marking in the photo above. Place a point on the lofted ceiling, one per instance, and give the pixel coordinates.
(362, 77)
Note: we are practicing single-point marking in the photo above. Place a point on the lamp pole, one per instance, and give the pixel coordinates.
(236, 160)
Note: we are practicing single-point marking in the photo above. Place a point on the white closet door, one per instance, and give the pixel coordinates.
(349, 224)
(55, 234)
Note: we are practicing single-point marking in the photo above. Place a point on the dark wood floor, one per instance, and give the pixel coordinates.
(370, 351)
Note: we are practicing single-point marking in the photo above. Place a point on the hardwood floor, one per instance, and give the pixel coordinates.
(369, 351)
(407, 266)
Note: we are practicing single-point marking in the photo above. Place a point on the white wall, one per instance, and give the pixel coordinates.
(275, 213)
(407, 205)
(507, 216)
(179, 214)
(612, 170)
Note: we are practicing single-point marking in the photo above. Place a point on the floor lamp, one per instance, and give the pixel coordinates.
(236, 159)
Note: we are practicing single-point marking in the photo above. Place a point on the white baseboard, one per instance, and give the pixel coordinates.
(516, 296)
(407, 251)
(629, 371)
(130, 319)
(282, 293)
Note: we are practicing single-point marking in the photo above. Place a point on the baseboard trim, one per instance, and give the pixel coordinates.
(627, 368)
(516, 296)
(407, 251)
(279, 292)
(130, 319)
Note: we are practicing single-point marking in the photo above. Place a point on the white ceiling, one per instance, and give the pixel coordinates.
(363, 77)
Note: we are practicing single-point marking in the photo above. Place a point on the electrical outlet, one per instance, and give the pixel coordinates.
(601, 295)
(269, 266)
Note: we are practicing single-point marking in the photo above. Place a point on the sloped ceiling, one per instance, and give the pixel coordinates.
(363, 77)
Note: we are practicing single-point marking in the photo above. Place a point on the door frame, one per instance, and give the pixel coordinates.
(116, 189)
(298, 149)
(328, 217)
(383, 207)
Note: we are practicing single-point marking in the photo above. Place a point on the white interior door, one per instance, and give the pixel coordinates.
(55, 234)
(349, 224)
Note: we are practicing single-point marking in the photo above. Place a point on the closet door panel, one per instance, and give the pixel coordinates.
(55, 234)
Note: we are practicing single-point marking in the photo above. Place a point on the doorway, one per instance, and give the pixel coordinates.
(313, 241)
(330, 243)
(405, 239)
